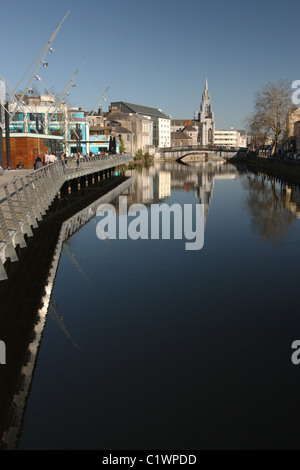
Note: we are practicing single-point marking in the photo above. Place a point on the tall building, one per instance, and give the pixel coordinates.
(207, 119)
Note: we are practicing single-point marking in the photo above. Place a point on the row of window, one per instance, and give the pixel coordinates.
(33, 116)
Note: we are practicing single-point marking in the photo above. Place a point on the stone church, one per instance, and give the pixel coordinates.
(206, 119)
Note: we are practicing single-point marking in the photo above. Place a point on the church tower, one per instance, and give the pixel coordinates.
(206, 119)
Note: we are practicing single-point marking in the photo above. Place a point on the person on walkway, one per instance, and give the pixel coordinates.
(46, 159)
(38, 163)
(63, 160)
(52, 158)
(20, 166)
(78, 156)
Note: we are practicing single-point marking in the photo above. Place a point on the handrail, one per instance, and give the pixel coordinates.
(25, 200)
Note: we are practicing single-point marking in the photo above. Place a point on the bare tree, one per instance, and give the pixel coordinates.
(259, 132)
(272, 107)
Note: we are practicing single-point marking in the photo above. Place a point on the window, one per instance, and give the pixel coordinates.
(18, 117)
(54, 117)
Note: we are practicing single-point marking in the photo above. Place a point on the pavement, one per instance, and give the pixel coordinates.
(10, 175)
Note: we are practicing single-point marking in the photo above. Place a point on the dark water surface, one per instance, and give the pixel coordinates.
(149, 346)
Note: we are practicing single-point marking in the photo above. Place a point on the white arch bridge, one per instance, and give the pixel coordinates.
(25, 200)
(178, 153)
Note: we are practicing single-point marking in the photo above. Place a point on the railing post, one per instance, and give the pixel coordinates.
(41, 185)
(34, 199)
(26, 225)
(3, 275)
(32, 216)
(19, 235)
(47, 186)
(37, 196)
(10, 249)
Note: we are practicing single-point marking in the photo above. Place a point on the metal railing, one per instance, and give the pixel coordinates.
(217, 148)
(25, 200)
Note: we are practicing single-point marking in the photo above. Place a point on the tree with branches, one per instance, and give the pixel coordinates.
(272, 107)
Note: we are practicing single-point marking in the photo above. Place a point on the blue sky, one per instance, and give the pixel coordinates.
(157, 53)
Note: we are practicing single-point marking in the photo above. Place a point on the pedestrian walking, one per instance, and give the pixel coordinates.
(63, 160)
(38, 163)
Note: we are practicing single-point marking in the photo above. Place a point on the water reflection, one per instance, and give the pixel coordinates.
(155, 184)
(273, 204)
(58, 318)
(26, 297)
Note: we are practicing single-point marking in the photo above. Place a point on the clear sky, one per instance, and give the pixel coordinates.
(156, 53)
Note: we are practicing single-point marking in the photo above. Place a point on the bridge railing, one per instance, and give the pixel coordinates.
(25, 200)
(197, 147)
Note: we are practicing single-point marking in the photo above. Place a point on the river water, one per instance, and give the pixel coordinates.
(148, 345)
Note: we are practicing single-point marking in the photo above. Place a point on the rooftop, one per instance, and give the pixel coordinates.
(144, 110)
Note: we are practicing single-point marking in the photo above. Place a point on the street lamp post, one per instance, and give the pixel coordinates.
(7, 137)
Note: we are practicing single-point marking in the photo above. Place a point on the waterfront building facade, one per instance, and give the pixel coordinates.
(291, 120)
(161, 122)
(229, 138)
(180, 139)
(192, 132)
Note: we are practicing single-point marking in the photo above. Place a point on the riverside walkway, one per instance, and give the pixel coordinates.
(26, 195)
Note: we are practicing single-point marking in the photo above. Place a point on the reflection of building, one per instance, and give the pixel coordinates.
(164, 185)
(154, 185)
(292, 199)
(205, 191)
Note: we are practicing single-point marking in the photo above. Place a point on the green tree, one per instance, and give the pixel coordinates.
(122, 145)
(139, 155)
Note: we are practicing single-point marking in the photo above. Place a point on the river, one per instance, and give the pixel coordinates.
(147, 345)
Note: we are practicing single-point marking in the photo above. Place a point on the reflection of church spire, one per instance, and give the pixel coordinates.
(206, 186)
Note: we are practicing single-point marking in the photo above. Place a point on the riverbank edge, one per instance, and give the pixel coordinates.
(275, 168)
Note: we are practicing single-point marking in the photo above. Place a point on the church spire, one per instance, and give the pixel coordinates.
(206, 118)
